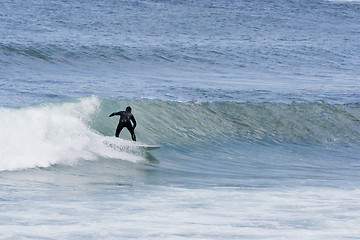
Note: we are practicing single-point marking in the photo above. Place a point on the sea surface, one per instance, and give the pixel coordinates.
(256, 106)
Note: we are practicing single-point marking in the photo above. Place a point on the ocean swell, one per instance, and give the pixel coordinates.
(65, 132)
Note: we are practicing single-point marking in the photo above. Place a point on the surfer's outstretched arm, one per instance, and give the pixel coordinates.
(114, 113)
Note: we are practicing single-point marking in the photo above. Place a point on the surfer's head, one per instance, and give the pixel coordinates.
(128, 109)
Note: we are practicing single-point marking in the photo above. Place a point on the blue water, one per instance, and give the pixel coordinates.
(256, 105)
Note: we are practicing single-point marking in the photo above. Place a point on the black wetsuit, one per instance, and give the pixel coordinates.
(124, 121)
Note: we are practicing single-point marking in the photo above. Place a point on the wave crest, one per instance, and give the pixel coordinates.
(53, 133)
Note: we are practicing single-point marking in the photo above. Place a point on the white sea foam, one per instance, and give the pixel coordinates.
(177, 213)
(48, 134)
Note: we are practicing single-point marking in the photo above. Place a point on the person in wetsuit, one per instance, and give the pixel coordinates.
(125, 118)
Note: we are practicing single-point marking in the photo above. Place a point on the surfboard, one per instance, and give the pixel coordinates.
(125, 144)
(149, 147)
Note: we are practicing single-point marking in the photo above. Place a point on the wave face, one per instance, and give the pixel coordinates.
(320, 123)
(66, 132)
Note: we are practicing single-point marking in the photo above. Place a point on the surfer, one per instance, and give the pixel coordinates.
(125, 117)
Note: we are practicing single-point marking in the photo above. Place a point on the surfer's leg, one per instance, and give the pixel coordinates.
(133, 136)
(131, 130)
(118, 130)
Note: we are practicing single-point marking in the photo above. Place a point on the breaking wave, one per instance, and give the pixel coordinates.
(65, 132)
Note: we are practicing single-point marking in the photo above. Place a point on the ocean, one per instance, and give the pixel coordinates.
(256, 106)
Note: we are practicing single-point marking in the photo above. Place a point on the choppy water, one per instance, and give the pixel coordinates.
(255, 104)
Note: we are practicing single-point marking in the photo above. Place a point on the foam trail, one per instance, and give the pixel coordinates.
(48, 134)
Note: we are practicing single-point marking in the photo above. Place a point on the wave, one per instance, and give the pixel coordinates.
(70, 54)
(63, 133)
(54, 133)
(64, 54)
(190, 122)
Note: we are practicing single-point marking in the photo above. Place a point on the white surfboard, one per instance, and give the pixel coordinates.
(149, 147)
(125, 144)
